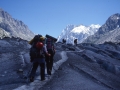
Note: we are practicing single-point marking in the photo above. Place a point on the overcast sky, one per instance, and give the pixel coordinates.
(52, 16)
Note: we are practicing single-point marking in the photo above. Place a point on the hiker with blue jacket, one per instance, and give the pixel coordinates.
(38, 52)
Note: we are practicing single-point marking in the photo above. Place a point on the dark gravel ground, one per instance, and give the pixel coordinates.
(57, 56)
(79, 74)
(10, 78)
(11, 61)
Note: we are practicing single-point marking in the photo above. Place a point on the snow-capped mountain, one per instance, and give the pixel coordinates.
(79, 32)
(10, 27)
(108, 32)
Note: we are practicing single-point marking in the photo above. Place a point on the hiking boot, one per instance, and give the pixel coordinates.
(31, 79)
(49, 73)
(42, 79)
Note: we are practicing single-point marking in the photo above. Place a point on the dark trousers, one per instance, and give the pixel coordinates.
(42, 69)
(49, 61)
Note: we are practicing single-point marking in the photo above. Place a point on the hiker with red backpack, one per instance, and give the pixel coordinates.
(51, 49)
(38, 52)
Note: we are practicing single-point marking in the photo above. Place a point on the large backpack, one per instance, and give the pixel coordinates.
(50, 43)
(36, 52)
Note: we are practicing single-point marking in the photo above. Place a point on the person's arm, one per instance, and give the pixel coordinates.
(46, 52)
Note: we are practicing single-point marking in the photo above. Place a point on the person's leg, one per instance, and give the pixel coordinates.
(51, 62)
(48, 64)
(42, 71)
(32, 74)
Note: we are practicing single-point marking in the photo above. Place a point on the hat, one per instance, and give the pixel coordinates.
(42, 38)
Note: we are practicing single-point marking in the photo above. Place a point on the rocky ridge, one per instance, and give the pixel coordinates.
(109, 32)
(10, 27)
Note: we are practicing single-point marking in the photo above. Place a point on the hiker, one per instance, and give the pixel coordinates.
(51, 50)
(64, 41)
(37, 56)
(75, 42)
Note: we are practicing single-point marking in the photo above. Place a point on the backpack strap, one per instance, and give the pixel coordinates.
(49, 43)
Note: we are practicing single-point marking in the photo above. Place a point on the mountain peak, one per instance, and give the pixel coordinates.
(115, 16)
(85, 29)
(109, 31)
(111, 23)
(14, 27)
(79, 32)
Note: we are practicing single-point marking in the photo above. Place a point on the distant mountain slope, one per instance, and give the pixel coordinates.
(3, 33)
(14, 27)
(80, 32)
(110, 31)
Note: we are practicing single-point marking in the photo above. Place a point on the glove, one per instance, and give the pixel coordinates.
(48, 54)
